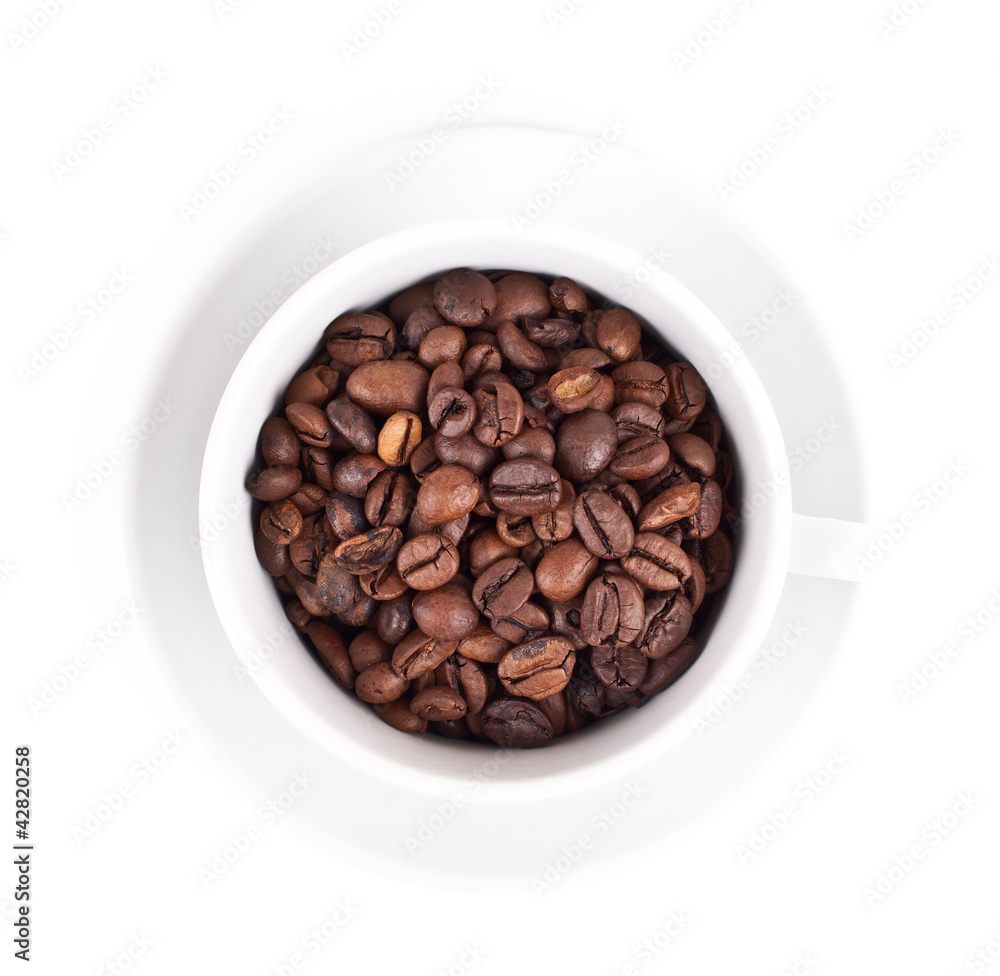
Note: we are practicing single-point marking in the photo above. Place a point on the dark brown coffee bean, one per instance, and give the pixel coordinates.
(369, 551)
(383, 584)
(585, 356)
(657, 563)
(515, 530)
(708, 427)
(315, 386)
(664, 671)
(447, 375)
(525, 486)
(466, 677)
(310, 424)
(353, 424)
(717, 561)
(273, 558)
(706, 518)
(694, 452)
(332, 652)
(312, 544)
(557, 525)
(452, 412)
(503, 588)
(466, 451)
(499, 414)
(298, 615)
(305, 589)
(309, 499)
(346, 515)
(281, 522)
(603, 525)
(273, 484)
(515, 723)
(617, 333)
(399, 438)
(686, 395)
(417, 654)
(486, 548)
(338, 589)
(566, 620)
(555, 710)
(385, 386)
(613, 613)
(465, 298)
(567, 296)
(695, 588)
(483, 645)
(520, 295)
(574, 389)
(398, 715)
(447, 612)
(537, 669)
(389, 499)
(641, 457)
(668, 621)
(408, 300)
(367, 649)
(380, 684)
(531, 442)
(628, 498)
(427, 561)
(438, 704)
(670, 506)
(424, 459)
(636, 419)
(565, 570)
(640, 383)
(519, 350)
(360, 337)
(394, 619)
(353, 474)
(525, 624)
(585, 444)
(479, 360)
(279, 444)
(621, 668)
(551, 333)
(443, 344)
(446, 494)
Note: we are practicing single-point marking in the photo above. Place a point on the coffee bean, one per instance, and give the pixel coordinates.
(383, 584)
(385, 386)
(369, 551)
(465, 298)
(664, 671)
(566, 616)
(519, 350)
(525, 624)
(537, 669)
(574, 389)
(418, 653)
(332, 652)
(310, 424)
(551, 333)
(531, 442)
(564, 571)
(467, 451)
(696, 587)
(394, 619)
(485, 548)
(499, 414)
(706, 518)
(640, 383)
(515, 530)
(409, 300)
(309, 499)
(694, 452)
(273, 484)
(315, 386)
(447, 493)
(279, 444)
(525, 486)
(446, 612)
(452, 412)
(555, 710)
(427, 561)
(281, 522)
(353, 474)
(621, 668)
(641, 457)
(338, 589)
(346, 515)
(635, 419)
(613, 613)
(273, 558)
(398, 715)
(515, 723)
(438, 704)
(307, 592)
(367, 649)
(603, 525)
(557, 525)
(503, 587)
(687, 394)
(618, 333)
(670, 506)
(466, 678)
(483, 645)
(592, 358)
(389, 499)
(317, 465)
(379, 683)
(668, 621)
(360, 337)
(657, 563)
(445, 343)
(717, 561)
(308, 549)
(518, 296)
(585, 444)
(353, 424)
(399, 438)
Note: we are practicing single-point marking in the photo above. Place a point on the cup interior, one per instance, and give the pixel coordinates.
(278, 660)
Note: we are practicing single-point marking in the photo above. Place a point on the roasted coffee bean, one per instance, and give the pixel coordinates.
(443, 344)
(353, 474)
(525, 624)
(515, 723)
(635, 419)
(664, 671)
(307, 592)
(585, 444)
(585, 356)
(389, 499)
(467, 451)
(706, 518)
(273, 484)
(394, 619)
(516, 530)
(519, 296)
(309, 499)
(379, 683)
(483, 645)
(640, 382)
(452, 412)
(531, 442)
(641, 457)
(310, 424)
(694, 452)
(503, 587)
(519, 350)
(332, 652)
(717, 561)
(447, 612)
(279, 444)
(361, 612)
(438, 704)
(383, 584)
(574, 389)
(628, 498)
(353, 424)
(317, 465)
(314, 386)
(525, 486)
(360, 337)
(695, 588)
(298, 616)
(427, 561)
(604, 527)
(565, 570)
(555, 710)
(551, 333)
(346, 515)
(486, 548)
(418, 653)
(618, 333)
(557, 525)
(409, 300)
(399, 438)
(420, 323)
(466, 677)
(567, 296)
(566, 620)
(338, 589)
(367, 649)
(537, 669)
(447, 494)
(465, 298)
(481, 359)
(424, 459)
(273, 558)
(385, 386)
(281, 522)
(621, 668)
(369, 551)
(657, 563)
(668, 621)
(686, 395)
(398, 715)
(586, 694)
(499, 414)
(613, 613)
(670, 506)
(313, 543)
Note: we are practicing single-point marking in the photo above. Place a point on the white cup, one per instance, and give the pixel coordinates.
(250, 608)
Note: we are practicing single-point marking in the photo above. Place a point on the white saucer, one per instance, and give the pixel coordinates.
(485, 172)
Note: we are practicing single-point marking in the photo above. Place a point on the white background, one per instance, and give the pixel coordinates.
(799, 905)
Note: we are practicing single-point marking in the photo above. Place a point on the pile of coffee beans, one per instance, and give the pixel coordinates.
(496, 508)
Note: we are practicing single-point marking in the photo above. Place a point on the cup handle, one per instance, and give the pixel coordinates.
(827, 547)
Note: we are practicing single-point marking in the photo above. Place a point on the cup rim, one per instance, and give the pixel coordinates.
(469, 238)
